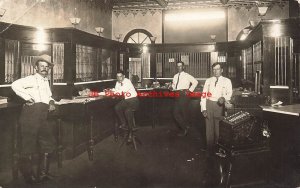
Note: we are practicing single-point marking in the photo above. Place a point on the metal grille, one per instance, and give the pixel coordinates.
(257, 57)
(244, 67)
(12, 63)
(197, 63)
(58, 60)
(146, 65)
(86, 63)
(296, 74)
(135, 68)
(248, 64)
(121, 61)
(106, 65)
(27, 65)
(281, 59)
(159, 60)
(296, 70)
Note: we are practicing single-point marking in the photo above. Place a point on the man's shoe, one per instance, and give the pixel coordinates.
(129, 140)
(26, 169)
(44, 166)
(122, 126)
(184, 133)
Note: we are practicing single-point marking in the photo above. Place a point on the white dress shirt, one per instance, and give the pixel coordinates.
(126, 88)
(33, 87)
(221, 88)
(184, 81)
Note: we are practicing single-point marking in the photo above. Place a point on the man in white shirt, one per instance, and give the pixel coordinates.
(183, 83)
(212, 107)
(36, 133)
(130, 103)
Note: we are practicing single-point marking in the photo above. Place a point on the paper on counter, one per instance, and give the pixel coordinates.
(277, 104)
(80, 100)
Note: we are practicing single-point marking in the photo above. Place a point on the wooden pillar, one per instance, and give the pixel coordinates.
(153, 64)
(99, 63)
(268, 65)
(70, 62)
(293, 9)
(126, 64)
(118, 60)
(2, 61)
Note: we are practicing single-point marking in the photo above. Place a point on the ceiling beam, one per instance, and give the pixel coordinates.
(162, 3)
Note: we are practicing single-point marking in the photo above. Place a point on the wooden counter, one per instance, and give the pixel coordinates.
(285, 140)
(89, 120)
(9, 114)
(293, 109)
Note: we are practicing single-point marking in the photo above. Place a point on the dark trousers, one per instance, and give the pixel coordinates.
(124, 110)
(36, 132)
(181, 110)
(215, 114)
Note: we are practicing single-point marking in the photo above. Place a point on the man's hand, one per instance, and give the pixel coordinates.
(221, 101)
(29, 102)
(51, 106)
(204, 112)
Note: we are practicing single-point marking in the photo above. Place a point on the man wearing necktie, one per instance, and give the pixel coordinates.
(36, 132)
(183, 83)
(212, 107)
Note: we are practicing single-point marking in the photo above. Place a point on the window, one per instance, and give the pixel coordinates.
(138, 36)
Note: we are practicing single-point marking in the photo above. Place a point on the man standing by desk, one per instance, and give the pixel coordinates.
(182, 82)
(212, 108)
(130, 103)
(37, 135)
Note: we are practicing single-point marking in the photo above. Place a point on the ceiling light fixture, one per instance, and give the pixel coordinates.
(153, 39)
(75, 20)
(118, 37)
(224, 2)
(213, 38)
(99, 30)
(2, 12)
(262, 9)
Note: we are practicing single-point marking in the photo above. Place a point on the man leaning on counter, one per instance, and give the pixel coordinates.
(36, 133)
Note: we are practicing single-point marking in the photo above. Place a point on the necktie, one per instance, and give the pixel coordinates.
(216, 82)
(177, 81)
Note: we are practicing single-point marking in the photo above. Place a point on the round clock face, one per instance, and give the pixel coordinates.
(139, 38)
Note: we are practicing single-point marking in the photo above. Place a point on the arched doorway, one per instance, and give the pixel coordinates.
(139, 64)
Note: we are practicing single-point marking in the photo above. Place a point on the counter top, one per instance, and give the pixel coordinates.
(293, 109)
(83, 100)
(10, 105)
